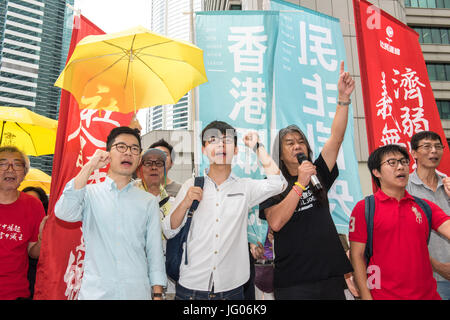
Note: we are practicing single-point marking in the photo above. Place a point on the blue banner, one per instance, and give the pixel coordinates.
(290, 56)
(310, 47)
(238, 53)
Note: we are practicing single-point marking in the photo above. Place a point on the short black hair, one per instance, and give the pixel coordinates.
(41, 193)
(121, 130)
(165, 144)
(374, 161)
(221, 126)
(429, 135)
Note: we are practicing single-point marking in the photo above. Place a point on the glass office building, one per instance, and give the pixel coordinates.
(34, 41)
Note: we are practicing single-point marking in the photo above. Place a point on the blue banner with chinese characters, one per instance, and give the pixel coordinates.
(291, 57)
(310, 47)
(238, 53)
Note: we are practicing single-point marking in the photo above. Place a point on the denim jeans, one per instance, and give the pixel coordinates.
(183, 293)
(443, 288)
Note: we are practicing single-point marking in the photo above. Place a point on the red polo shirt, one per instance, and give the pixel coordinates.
(19, 225)
(400, 265)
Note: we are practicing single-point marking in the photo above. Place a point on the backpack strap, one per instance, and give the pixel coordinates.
(427, 210)
(369, 212)
(198, 182)
(163, 201)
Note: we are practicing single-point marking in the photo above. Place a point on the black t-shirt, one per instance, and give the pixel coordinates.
(307, 248)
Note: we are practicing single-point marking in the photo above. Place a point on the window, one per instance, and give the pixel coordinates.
(433, 35)
(428, 4)
(440, 72)
(431, 69)
(443, 108)
(445, 36)
(426, 35)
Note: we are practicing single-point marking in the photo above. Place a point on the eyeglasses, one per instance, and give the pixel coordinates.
(150, 163)
(394, 162)
(16, 166)
(225, 139)
(122, 148)
(429, 146)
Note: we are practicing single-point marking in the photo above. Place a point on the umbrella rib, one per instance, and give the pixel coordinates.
(107, 68)
(154, 45)
(93, 58)
(31, 138)
(150, 68)
(164, 58)
(114, 45)
(130, 58)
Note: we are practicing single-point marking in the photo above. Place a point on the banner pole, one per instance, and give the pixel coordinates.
(193, 93)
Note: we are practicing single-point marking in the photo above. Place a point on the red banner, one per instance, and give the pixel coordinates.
(80, 133)
(398, 98)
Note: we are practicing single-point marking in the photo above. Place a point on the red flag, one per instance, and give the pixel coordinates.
(398, 98)
(80, 133)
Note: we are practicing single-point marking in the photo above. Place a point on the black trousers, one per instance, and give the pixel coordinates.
(329, 289)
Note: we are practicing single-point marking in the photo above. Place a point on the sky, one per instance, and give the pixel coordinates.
(118, 15)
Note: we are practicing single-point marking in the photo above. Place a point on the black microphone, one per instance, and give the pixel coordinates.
(314, 180)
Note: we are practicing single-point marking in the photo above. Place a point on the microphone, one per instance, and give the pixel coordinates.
(314, 180)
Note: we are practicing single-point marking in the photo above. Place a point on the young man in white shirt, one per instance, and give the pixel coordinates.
(217, 242)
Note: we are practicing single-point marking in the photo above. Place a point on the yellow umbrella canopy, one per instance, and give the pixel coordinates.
(130, 70)
(36, 178)
(30, 132)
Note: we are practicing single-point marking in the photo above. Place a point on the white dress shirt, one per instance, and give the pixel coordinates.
(217, 243)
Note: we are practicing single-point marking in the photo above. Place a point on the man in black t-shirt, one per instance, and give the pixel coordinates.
(310, 261)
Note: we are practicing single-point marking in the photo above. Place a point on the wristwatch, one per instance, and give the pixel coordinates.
(159, 295)
(257, 145)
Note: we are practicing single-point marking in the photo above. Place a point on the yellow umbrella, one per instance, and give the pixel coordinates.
(36, 178)
(130, 70)
(32, 133)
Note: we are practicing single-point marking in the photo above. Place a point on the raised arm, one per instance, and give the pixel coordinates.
(330, 150)
(251, 140)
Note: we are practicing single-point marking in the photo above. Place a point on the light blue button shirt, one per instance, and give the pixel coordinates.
(122, 234)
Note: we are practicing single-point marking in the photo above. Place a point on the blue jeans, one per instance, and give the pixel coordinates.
(183, 293)
(443, 288)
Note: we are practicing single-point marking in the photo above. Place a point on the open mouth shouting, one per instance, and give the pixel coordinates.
(402, 177)
(126, 163)
(11, 179)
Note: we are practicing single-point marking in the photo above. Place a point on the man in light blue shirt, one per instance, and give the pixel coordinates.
(121, 228)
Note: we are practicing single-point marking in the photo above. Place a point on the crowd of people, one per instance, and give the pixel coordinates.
(128, 219)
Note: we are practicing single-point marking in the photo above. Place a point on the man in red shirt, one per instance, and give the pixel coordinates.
(400, 266)
(21, 224)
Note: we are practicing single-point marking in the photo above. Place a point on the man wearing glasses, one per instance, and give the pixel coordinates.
(217, 242)
(400, 266)
(426, 182)
(121, 225)
(21, 223)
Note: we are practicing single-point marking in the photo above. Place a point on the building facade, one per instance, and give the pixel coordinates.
(34, 40)
(174, 20)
